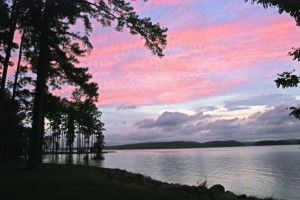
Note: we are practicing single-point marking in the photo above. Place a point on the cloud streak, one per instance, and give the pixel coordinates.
(202, 60)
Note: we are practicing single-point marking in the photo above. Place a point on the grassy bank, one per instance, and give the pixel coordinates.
(80, 182)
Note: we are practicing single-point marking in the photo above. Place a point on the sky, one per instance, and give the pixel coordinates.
(215, 82)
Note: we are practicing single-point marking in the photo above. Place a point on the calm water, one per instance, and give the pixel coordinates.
(260, 171)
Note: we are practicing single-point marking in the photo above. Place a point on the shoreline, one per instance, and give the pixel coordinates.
(75, 153)
(73, 181)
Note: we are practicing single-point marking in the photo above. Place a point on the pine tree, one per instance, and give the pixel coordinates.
(114, 10)
(52, 48)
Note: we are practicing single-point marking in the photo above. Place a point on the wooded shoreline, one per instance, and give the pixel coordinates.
(53, 181)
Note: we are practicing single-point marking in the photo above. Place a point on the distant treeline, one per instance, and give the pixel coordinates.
(187, 144)
(273, 142)
(177, 145)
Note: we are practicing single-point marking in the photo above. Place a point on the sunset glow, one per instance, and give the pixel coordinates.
(217, 52)
(218, 71)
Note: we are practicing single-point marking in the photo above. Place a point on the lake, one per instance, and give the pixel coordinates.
(261, 171)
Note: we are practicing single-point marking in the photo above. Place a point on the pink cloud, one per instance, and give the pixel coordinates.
(144, 6)
(166, 2)
(128, 73)
(166, 92)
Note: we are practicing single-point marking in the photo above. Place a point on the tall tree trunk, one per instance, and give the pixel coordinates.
(10, 38)
(87, 146)
(18, 68)
(53, 142)
(76, 134)
(37, 123)
(42, 68)
(42, 137)
(79, 142)
(82, 142)
(9, 123)
(62, 141)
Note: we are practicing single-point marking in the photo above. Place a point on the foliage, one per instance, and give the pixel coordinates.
(75, 118)
(12, 119)
(291, 7)
(203, 184)
(49, 52)
(287, 80)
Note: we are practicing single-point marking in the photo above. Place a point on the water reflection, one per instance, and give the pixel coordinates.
(77, 159)
(261, 171)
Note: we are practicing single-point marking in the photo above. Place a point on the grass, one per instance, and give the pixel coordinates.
(80, 182)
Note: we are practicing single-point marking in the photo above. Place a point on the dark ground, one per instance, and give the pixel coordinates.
(80, 182)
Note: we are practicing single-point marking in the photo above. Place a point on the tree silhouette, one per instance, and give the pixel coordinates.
(13, 113)
(66, 117)
(98, 131)
(8, 28)
(70, 113)
(57, 48)
(286, 79)
(8, 125)
(55, 15)
(5, 49)
(51, 47)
